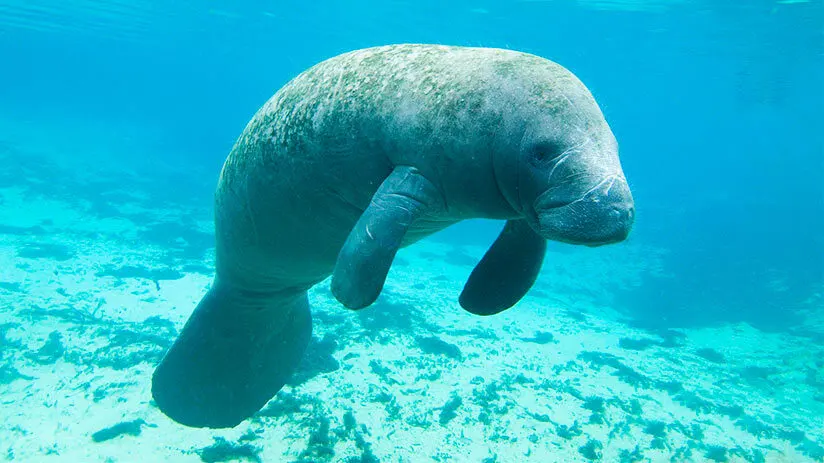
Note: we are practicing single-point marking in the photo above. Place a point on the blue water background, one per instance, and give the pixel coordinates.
(717, 106)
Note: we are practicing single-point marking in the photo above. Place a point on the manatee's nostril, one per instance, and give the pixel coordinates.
(622, 217)
(621, 212)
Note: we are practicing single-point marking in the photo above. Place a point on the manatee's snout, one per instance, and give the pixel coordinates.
(603, 215)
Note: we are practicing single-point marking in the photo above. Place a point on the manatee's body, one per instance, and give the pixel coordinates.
(444, 133)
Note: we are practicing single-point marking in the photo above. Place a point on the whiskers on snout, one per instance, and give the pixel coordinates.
(603, 215)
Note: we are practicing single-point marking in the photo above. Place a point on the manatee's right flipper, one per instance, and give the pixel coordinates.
(367, 254)
(233, 355)
(506, 272)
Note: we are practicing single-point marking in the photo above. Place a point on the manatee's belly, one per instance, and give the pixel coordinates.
(283, 224)
(278, 232)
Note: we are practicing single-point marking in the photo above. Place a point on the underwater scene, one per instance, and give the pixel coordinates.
(359, 231)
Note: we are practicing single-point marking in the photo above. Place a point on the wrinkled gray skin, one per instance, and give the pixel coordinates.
(368, 152)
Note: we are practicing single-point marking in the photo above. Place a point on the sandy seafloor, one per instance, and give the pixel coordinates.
(98, 271)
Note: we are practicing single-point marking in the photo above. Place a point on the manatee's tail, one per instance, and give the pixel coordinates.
(231, 358)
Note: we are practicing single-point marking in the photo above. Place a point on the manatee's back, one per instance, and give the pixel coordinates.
(356, 99)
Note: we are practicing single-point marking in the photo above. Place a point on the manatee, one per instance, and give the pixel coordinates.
(370, 151)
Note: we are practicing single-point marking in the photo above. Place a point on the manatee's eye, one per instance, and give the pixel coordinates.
(545, 152)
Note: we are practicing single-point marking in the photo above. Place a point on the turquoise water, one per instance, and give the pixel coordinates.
(700, 338)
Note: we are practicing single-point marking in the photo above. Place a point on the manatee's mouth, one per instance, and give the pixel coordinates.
(603, 215)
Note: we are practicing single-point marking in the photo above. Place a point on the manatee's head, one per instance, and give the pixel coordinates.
(575, 191)
(570, 184)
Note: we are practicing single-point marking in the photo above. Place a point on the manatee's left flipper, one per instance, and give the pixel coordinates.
(506, 272)
(367, 254)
